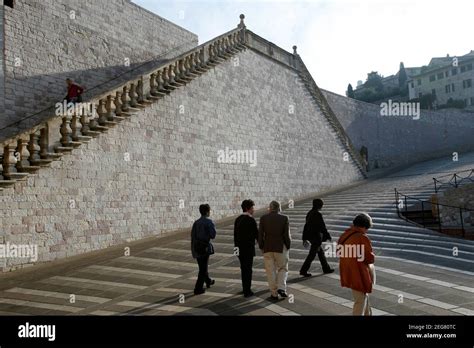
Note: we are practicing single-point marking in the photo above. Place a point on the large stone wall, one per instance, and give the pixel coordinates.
(2, 64)
(395, 140)
(90, 41)
(129, 183)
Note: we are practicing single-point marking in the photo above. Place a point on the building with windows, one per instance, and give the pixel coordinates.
(447, 79)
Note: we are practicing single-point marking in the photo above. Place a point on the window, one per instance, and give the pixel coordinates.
(420, 95)
(454, 71)
(463, 68)
(9, 3)
(412, 85)
(418, 82)
(440, 76)
(432, 78)
(447, 88)
(472, 101)
(452, 87)
(469, 67)
(446, 73)
(433, 92)
(467, 83)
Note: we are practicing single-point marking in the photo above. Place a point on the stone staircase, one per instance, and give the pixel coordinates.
(391, 235)
(30, 150)
(48, 141)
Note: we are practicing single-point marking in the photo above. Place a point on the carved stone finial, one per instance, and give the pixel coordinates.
(294, 50)
(242, 24)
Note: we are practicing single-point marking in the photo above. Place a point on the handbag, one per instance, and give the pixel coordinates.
(201, 247)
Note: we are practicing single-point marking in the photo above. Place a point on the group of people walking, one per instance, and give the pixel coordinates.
(273, 237)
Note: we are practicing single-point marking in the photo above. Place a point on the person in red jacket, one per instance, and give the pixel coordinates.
(356, 263)
(74, 92)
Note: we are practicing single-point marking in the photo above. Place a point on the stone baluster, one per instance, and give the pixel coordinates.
(1, 167)
(211, 52)
(203, 56)
(154, 84)
(76, 127)
(118, 103)
(125, 99)
(23, 155)
(34, 148)
(140, 93)
(133, 95)
(101, 111)
(9, 161)
(66, 132)
(177, 73)
(189, 63)
(44, 143)
(171, 79)
(85, 129)
(109, 107)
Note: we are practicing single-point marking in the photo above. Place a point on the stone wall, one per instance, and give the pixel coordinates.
(90, 41)
(2, 64)
(148, 175)
(395, 140)
(462, 197)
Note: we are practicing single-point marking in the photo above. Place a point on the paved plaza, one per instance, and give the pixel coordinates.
(417, 273)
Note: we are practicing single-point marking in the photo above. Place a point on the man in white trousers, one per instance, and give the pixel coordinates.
(274, 240)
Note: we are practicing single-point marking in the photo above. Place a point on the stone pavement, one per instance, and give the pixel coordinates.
(417, 273)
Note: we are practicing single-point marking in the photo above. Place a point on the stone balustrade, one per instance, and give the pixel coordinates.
(28, 152)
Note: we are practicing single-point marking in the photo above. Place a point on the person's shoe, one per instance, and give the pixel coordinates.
(328, 271)
(199, 291)
(282, 293)
(248, 294)
(212, 282)
(306, 275)
(273, 298)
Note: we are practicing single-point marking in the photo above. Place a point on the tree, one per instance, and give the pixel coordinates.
(350, 91)
(374, 80)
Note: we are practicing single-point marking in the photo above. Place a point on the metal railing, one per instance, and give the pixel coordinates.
(430, 219)
(455, 180)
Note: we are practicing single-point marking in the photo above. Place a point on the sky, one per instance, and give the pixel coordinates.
(340, 41)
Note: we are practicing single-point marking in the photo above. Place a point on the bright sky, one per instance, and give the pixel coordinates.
(340, 41)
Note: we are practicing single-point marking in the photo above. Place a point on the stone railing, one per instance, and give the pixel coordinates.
(294, 61)
(75, 124)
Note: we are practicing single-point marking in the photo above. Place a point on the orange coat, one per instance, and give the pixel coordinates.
(355, 273)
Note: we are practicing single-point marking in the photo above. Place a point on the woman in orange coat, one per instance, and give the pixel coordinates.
(356, 259)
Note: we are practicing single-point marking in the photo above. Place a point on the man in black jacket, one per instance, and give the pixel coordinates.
(315, 232)
(201, 247)
(245, 235)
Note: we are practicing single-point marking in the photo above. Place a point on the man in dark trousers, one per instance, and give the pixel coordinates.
(315, 232)
(245, 235)
(202, 233)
